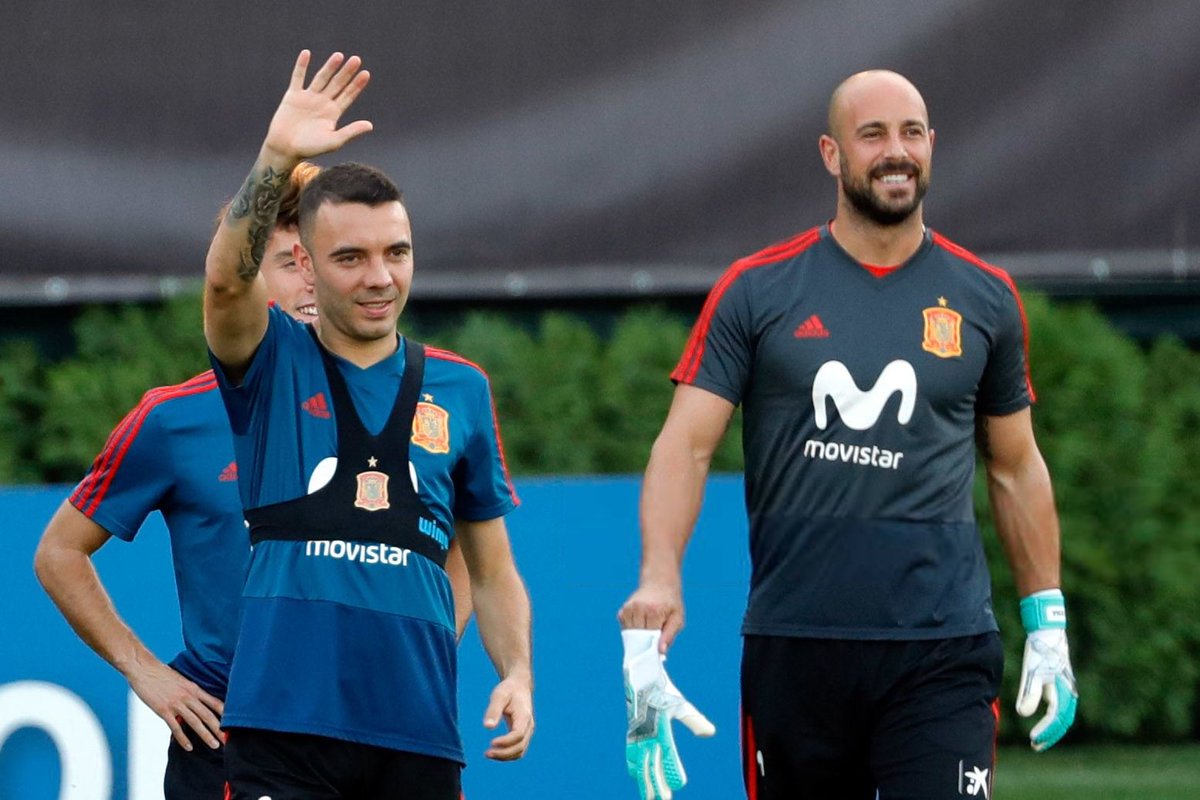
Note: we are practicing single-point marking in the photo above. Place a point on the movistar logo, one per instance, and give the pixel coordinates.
(860, 410)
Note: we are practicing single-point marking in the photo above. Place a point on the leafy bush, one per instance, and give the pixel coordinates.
(1119, 427)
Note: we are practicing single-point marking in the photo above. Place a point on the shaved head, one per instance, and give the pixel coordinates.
(857, 96)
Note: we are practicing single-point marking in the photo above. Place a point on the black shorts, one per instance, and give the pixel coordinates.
(195, 775)
(299, 766)
(838, 720)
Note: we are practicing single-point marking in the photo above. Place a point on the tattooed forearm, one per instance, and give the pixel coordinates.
(981, 438)
(258, 199)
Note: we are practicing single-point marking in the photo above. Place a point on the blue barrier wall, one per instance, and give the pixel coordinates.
(576, 543)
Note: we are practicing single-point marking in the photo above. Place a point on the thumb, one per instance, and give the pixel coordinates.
(695, 722)
(353, 131)
(496, 708)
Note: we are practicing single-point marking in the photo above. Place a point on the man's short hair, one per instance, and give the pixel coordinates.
(288, 217)
(345, 183)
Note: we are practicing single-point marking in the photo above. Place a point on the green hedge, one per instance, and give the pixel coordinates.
(1119, 426)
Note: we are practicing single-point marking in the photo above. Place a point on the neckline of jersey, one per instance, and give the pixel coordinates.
(894, 273)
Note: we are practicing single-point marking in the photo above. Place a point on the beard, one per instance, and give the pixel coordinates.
(878, 209)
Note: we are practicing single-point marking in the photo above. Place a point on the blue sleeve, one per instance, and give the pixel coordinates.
(482, 488)
(130, 477)
(1005, 387)
(250, 398)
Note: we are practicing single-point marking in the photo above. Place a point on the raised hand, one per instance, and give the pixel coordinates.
(306, 122)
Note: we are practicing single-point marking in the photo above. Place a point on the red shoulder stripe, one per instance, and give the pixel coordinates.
(689, 364)
(996, 272)
(89, 494)
(447, 355)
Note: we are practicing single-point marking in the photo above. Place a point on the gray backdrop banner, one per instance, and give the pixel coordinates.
(529, 134)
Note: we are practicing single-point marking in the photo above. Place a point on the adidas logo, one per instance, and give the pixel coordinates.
(229, 473)
(811, 328)
(316, 406)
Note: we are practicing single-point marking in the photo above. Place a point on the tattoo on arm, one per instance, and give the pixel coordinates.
(981, 438)
(259, 200)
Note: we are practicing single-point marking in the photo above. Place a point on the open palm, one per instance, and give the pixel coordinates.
(306, 122)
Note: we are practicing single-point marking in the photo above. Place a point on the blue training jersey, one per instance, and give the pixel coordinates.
(173, 453)
(344, 638)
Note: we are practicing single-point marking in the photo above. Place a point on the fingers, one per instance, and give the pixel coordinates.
(513, 744)
(180, 703)
(327, 72)
(353, 89)
(204, 723)
(670, 629)
(299, 70)
(517, 711)
(1030, 694)
(343, 76)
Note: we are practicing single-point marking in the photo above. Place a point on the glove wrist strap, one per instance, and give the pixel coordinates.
(1044, 610)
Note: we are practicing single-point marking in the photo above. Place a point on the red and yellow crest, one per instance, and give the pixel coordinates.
(431, 428)
(372, 491)
(943, 331)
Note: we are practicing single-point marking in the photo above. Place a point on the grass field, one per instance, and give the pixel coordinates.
(1099, 773)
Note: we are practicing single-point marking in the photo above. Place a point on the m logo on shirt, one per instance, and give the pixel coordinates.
(860, 410)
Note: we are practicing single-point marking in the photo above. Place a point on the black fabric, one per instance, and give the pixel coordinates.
(195, 775)
(296, 766)
(837, 719)
(333, 511)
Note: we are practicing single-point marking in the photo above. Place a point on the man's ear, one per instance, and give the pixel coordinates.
(304, 262)
(830, 154)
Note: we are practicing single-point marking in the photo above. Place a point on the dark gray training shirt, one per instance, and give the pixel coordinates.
(860, 395)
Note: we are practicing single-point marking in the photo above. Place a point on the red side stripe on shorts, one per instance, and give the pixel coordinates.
(446, 355)
(750, 749)
(994, 271)
(91, 491)
(685, 371)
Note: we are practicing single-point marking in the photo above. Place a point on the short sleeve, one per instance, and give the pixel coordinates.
(718, 355)
(131, 476)
(1005, 387)
(243, 401)
(482, 487)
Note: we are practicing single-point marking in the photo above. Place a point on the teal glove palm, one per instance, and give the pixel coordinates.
(1046, 668)
(651, 702)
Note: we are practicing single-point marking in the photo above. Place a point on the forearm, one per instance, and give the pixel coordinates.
(235, 254)
(672, 493)
(1022, 502)
(503, 616)
(70, 579)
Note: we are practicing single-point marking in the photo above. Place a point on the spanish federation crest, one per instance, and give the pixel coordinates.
(943, 331)
(372, 491)
(431, 428)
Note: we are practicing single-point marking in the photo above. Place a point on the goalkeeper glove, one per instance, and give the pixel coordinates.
(651, 702)
(1046, 669)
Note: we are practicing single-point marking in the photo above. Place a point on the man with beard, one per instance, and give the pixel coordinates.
(872, 357)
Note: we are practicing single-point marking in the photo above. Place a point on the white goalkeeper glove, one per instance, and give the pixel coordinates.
(651, 702)
(1046, 669)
